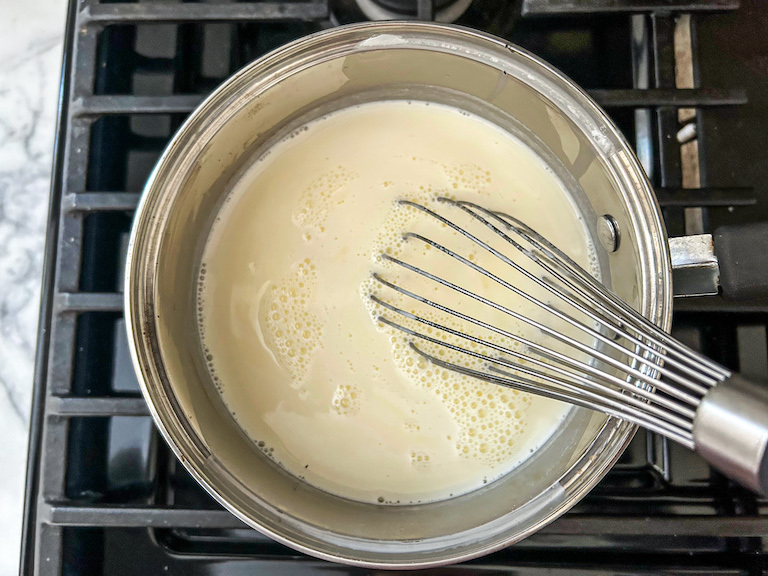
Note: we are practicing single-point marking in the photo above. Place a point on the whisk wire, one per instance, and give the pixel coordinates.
(692, 366)
(586, 281)
(632, 388)
(557, 291)
(573, 339)
(681, 394)
(574, 379)
(565, 392)
(626, 315)
(557, 313)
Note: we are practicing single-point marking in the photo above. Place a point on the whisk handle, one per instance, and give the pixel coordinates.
(730, 431)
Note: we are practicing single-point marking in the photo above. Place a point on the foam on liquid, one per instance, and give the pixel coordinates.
(293, 341)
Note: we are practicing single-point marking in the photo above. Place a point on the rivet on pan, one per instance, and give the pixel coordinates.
(608, 232)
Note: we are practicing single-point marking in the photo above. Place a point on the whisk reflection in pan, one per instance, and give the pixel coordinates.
(635, 371)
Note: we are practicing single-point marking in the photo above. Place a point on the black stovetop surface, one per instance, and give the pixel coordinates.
(106, 496)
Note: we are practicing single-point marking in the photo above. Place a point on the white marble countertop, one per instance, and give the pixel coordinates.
(31, 35)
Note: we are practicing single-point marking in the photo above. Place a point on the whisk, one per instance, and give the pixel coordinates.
(636, 371)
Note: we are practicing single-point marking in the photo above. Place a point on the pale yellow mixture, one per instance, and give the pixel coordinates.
(294, 344)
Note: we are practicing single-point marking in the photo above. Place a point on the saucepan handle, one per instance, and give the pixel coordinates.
(730, 431)
(732, 261)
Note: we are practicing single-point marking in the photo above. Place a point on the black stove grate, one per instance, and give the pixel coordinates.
(105, 495)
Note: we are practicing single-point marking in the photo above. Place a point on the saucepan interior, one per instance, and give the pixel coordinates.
(311, 77)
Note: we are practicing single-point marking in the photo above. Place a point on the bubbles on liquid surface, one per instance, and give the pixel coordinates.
(319, 198)
(346, 400)
(419, 459)
(468, 178)
(293, 332)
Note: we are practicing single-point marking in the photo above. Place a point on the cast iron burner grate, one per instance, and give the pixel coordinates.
(105, 496)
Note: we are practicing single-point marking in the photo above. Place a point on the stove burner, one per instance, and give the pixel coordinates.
(106, 496)
(437, 10)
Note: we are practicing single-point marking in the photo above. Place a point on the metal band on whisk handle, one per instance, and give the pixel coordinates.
(657, 382)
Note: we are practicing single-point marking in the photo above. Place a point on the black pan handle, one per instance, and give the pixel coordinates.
(742, 254)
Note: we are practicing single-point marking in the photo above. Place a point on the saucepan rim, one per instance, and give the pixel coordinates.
(141, 272)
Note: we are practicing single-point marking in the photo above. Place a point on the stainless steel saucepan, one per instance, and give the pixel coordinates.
(312, 77)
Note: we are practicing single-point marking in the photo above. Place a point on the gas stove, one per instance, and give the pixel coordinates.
(686, 82)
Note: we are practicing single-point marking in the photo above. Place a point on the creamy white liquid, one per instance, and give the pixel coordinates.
(293, 340)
